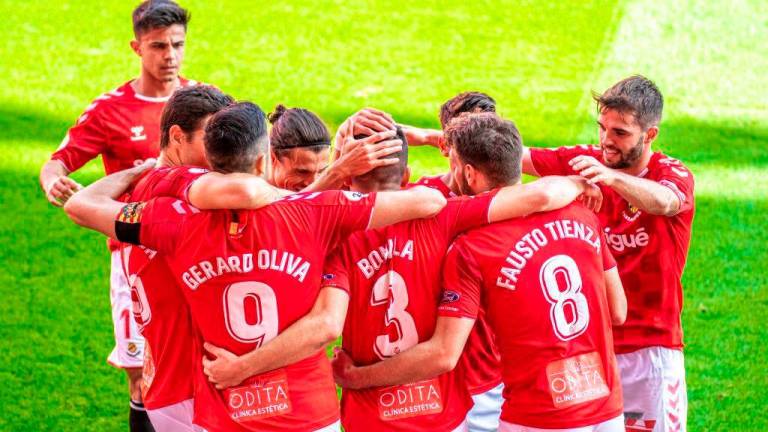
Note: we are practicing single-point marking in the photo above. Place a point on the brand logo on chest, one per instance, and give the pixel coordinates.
(137, 133)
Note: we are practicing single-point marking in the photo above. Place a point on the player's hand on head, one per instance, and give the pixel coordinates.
(592, 170)
(367, 121)
(365, 154)
(343, 367)
(61, 189)
(225, 370)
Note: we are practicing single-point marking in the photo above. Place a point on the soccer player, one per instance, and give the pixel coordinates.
(301, 145)
(542, 282)
(247, 275)
(123, 127)
(647, 216)
(388, 275)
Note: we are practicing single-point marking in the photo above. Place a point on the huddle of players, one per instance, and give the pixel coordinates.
(419, 345)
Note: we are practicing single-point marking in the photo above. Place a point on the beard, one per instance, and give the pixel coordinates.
(629, 157)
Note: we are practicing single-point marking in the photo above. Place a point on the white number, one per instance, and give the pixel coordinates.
(263, 326)
(396, 315)
(142, 314)
(563, 268)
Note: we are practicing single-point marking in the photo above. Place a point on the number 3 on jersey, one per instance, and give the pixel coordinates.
(259, 299)
(562, 269)
(396, 315)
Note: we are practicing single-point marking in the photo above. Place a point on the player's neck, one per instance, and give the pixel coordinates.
(147, 86)
(640, 166)
(166, 159)
(447, 178)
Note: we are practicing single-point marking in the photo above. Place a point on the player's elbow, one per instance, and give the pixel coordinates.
(76, 209)
(445, 360)
(619, 314)
(429, 201)
(328, 329)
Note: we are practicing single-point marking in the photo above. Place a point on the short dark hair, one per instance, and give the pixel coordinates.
(297, 128)
(235, 137)
(465, 102)
(188, 106)
(636, 95)
(153, 14)
(490, 144)
(390, 174)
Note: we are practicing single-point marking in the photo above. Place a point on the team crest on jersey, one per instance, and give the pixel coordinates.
(131, 212)
(450, 297)
(631, 213)
(354, 196)
(137, 133)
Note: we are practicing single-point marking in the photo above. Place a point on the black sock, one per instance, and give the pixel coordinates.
(138, 419)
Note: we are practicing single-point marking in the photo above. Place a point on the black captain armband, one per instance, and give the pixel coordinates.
(128, 223)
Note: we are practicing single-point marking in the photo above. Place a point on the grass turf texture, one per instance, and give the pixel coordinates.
(539, 62)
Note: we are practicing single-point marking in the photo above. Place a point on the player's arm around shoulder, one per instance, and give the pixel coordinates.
(438, 355)
(215, 190)
(96, 206)
(545, 194)
(398, 206)
(302, 339)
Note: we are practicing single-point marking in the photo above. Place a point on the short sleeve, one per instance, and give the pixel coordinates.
(177, 182)
(335, 273)
(338, 214)
(605, 252)
(84, 141)
(462, 284)
(156, 223)
(465, 213)
(547, 161)
(675, 176)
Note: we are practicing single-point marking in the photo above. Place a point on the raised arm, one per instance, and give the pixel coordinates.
(358, 157)
(233, 191)
(428, 359)
(544, 194)
(367, 121)
(422, 136)
(96, 206)
(647, 195)
(528, 167)
(301, 339)
(415, 203)
(617, 300)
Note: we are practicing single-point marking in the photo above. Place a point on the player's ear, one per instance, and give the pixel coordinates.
(176, 136)
(260, 165)
(651, 134)
(406, 177)
(135, 47)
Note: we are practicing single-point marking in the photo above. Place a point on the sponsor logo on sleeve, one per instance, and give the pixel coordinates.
(450, 297)
(354, 196)
(328, 276)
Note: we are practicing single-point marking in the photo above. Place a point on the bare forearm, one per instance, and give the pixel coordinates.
(51, 170)
(333, 178)
(647, 195)
(547, 193)
(232, 191)
(299, 341)
(415, 203)
(421, 362)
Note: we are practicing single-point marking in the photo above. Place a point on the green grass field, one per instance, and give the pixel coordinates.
(538, 60)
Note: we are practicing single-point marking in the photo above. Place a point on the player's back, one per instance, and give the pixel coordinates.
(393, 274)
(159, 307)
(543, 290)
(247, 276)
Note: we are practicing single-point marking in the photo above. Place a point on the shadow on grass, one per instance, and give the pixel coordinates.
(21, 124)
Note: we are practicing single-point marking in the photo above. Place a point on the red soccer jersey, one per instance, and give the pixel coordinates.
(650, 250)
(159, 306)
(434, 182)
(247, 275)
(121, 126)
(541, 282)
(393, 277)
